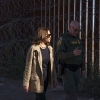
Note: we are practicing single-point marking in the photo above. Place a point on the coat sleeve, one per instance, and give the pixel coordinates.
(28, 67)
(54, 74)
(54, 71)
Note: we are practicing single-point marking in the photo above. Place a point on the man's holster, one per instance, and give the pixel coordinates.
(72, 67)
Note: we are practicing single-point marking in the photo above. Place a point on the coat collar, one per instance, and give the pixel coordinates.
(37, 47)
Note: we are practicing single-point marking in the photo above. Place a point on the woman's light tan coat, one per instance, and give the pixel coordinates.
(33, 73)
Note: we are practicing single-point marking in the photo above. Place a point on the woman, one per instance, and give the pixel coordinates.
(39, 70)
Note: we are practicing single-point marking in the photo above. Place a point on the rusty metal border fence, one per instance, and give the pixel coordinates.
(19, 19)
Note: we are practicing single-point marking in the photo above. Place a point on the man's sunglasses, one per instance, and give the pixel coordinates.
(76, 30)
(48, 35)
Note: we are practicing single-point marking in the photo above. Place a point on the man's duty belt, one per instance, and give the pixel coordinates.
(72, 67)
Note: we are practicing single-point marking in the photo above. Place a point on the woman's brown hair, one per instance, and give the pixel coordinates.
(40, 35)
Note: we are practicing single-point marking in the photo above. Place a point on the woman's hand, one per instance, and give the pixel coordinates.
(26, 88)
(55, 84)
(84, 74)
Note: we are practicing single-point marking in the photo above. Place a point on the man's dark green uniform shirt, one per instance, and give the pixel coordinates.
(66, 45)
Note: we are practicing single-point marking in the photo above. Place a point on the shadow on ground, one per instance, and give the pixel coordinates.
(11, 89)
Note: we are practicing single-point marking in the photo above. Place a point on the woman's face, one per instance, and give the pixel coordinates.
(48, 37)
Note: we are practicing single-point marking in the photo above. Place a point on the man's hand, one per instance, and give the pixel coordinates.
(26, 88)
(84, 74)
(77, 52)
(56, 84)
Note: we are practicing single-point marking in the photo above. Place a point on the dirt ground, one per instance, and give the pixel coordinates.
(11, 89)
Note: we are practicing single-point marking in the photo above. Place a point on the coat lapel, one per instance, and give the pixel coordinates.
(39, 58)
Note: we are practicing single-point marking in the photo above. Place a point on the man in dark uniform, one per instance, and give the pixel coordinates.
(70, 52)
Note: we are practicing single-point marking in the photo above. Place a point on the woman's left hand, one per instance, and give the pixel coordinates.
(56, 83)
(84, 74)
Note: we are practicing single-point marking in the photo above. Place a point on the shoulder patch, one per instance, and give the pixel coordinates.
(59, 41)
(78, 41)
